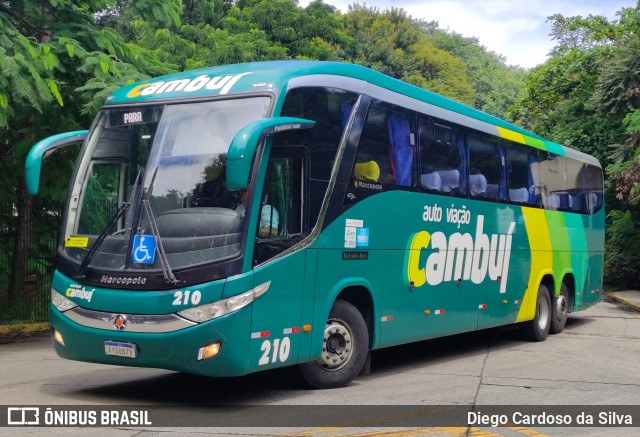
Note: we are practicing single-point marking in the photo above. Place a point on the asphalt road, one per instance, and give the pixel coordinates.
(595, 361)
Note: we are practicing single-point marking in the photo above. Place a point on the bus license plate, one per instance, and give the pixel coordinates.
(119, 349)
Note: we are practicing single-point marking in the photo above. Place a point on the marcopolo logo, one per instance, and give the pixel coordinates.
(459, 257)
(222, 84)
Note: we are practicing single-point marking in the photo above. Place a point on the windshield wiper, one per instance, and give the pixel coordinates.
(96, 244)
(169, 277)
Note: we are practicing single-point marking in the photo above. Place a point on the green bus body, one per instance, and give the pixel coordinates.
(417, 261)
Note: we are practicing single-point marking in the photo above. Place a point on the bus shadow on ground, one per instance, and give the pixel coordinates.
(285, 384)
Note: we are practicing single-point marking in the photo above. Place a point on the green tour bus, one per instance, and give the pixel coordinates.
(231, 219)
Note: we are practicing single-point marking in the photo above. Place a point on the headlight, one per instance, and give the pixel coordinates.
(61, 302)
(213, 310)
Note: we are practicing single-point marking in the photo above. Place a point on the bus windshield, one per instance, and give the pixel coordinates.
(166, 165)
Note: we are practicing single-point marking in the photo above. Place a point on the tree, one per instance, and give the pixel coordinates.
(587, 96)
(54, 55)
(497, 86)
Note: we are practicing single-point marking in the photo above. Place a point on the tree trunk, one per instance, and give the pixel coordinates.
(24, 204)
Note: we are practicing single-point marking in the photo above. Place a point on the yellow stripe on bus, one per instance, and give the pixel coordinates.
(511, 135)
(541, 258)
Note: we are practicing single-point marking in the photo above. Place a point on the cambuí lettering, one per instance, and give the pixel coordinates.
(222, 84)
(80, 292)
(460, 256)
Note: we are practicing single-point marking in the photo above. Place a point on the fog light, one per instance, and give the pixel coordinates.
(58, 337)
(209, 351)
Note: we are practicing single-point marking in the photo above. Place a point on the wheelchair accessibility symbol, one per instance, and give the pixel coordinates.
(144, 249)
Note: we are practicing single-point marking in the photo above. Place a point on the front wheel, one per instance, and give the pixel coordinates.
(538, 328)
(560, 310)
(344, 349)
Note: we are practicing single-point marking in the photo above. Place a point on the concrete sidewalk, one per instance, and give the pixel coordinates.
(630, 299)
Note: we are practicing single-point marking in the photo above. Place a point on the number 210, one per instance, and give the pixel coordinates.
(280, 351)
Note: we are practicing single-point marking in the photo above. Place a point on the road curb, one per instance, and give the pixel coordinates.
(626, 302)
(24, 328)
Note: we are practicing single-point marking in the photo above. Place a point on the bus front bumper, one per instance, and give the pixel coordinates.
(176, 350)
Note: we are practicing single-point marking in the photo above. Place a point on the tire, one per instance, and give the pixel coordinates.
(538, 328)
(345, 348)
(559, 310)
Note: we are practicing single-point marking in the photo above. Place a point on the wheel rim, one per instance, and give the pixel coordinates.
(561, 307)
(337, 346)
(543, 314)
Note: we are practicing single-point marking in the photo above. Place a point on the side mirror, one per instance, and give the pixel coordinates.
(244, 144)
(42, 148)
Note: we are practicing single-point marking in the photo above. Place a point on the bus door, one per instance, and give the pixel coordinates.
(278, 316)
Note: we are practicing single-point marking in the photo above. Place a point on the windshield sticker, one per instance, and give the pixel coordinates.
(76, 242)
(144, 249)
(79, 292)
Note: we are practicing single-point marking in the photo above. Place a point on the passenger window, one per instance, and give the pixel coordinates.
(585, 187)
(522, 162)
(442, 163)
(384, 159)
(487, 167)
(553, 177)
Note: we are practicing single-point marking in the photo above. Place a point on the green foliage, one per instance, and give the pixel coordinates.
(622, 251)
(496, 86)
(560, 103)
(587, 97)
(439, 71)
(381, 40)
(57, 65)
(59, 60)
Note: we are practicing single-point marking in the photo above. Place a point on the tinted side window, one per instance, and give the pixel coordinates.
(487, 169)
(283, 216)
(584, 187)
(522, 163)
(385, 156)
(442, 151)
(553, 178)
(330, 109)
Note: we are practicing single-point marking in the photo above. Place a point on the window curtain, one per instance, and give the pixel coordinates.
(346, 112)
(401, 149)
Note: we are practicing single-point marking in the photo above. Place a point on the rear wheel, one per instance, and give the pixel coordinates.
(559, 310)
(344, 348)
(538, 328)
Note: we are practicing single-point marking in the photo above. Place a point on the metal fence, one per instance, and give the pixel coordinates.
(31, 302)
